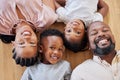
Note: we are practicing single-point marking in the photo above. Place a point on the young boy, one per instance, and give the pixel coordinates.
(75, 14)
(51, 66)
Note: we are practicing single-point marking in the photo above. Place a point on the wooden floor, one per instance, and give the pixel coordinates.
(10, 71)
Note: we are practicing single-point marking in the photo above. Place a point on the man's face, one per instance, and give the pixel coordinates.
(100, 38)
(74, 31)
(52, 49)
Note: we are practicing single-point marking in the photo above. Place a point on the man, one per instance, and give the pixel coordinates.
(105, 64)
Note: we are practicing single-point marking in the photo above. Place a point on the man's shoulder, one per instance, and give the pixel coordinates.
(118, 52)
(88, 64)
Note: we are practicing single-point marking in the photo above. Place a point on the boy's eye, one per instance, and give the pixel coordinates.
(105, 30)
(53, 48)
(61, 49)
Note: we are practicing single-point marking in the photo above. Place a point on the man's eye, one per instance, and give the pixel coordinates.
(105, 30)
(93, 33)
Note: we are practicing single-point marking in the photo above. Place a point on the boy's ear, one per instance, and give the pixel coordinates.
(40, 48)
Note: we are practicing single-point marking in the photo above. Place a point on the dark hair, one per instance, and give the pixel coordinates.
(77, 46)
(50, 32)
(25, 61)
(23, 22)
(7, 38)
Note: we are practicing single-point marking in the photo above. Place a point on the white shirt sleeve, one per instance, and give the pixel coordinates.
(68, 73)
(98, 17)
(26, 75)
(95, 17)
(62, 16)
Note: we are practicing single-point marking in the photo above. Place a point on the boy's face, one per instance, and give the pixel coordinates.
(74, 31)
(52, 49)
(25, 42)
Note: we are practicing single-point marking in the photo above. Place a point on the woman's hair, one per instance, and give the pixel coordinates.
(7, 38)
(25, 61)
(23, 22)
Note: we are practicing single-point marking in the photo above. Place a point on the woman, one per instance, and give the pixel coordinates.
(40, 13)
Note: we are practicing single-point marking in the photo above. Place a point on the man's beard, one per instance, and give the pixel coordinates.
(104, 51)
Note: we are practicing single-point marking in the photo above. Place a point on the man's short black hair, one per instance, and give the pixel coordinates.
(51, 32)
(77, 46)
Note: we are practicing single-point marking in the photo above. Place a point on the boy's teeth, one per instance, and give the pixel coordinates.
(54, 57)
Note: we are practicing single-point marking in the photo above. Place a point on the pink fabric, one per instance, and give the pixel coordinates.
(34, 11)
(8, 16)
(38, 13)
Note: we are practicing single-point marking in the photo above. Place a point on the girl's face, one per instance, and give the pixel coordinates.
(74, 31)
(25, 41)
(52, 49)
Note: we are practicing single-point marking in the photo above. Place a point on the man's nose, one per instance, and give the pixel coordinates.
(100, 34)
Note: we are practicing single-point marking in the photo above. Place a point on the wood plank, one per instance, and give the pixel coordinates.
(10, 71)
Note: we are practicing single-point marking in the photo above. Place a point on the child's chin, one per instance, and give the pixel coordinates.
(54, 62)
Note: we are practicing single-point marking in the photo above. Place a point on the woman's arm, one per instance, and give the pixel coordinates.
(49, 3)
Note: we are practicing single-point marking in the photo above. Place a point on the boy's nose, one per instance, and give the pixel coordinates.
(55, 51)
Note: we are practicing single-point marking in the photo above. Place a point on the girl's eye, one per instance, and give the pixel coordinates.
(68, 30)
(78, 32)
(32, 42)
